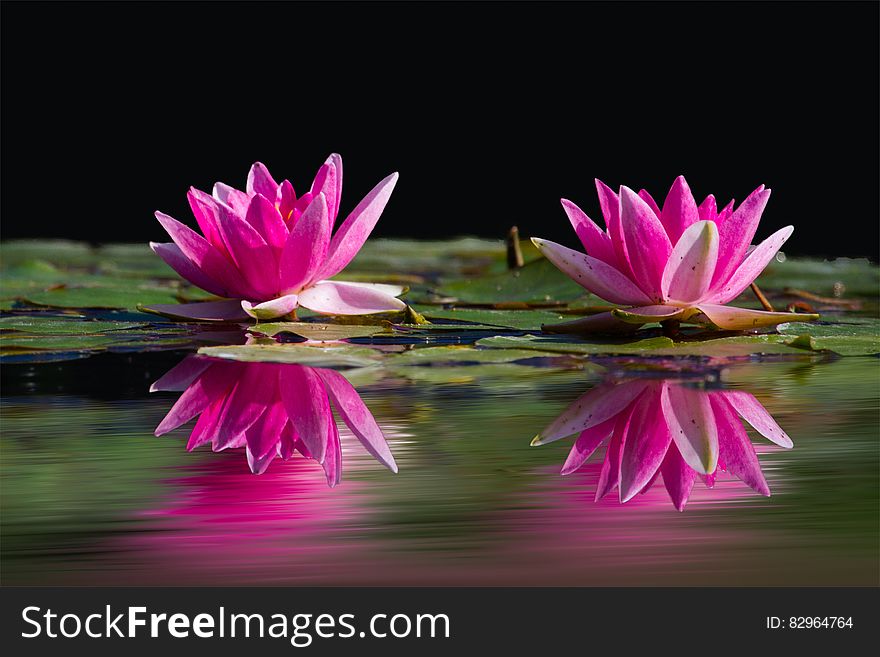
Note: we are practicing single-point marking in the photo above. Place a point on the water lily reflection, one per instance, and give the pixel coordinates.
(665, 427)
(271, 410)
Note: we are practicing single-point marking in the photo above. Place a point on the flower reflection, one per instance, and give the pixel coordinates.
(271, 410)
(665, 427)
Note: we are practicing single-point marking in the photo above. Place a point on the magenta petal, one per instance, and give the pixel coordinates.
(306, 247)
(596, 243)
(326, 183)
(733, 442)
(593, 407)
(679, 210)
(336, 160)
(264, 436)
(691, 264)
(751, 267)
(182, 375)
(731, 318)
(260, 181)
(357, 416)
(201, 253)
(285, 200)
(206, 426)
(267, 221)
(587, 443)
(174, 258)
(207, 213)
(647, 243)
(753, 412)
(647, 440)
(332, 298)
(736, 232)
(355, 230)
(708, 209)
(610, 204)
(678, 477)
(333, 456)
(592, 274)
(259, 465)
(214, 383)
(647, 198)
(251, 254)
(245, 404)
(609, 475)
(692, 425)
(308, 408)
(234, 199)
(202, 311)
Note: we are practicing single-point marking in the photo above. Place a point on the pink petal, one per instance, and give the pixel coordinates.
(267, 221)
(598, 277)
(593, 407)
(253, 257)
(259, 465)
(587, 443)
(326, 183)
(708, 210)
(174, 258)
(357, 416)
(213, 384)
(679, 210)
(264, 436)
(234, 199)
(596, 243)
(332, 298)
(733, 441)
(678, 477)
(333, 458)
(203, 311)
(647, 198)
(645, 314)
(205, 210)
(285, 200)
(384, 288)
(692, 425)
(306, 247)
(648, 438)
(201, 253)
(182, 375)
(260, 181)
(610, 204)
(598, 323)
(355, 230)
(647, 244)
(731, 318)
(206, 426)
(336, 160)
(308, 408)
(271, 309)
(751, 267)
(691, 264)
(753, 412)
(610, 473)
(736, 232)
(255, 386)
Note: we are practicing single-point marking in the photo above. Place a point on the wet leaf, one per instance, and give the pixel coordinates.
(537, 282)
(317, 331)
(337, 355)
(850, 336)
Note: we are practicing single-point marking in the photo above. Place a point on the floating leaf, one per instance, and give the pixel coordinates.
(852, 336)
(316, 331)
(338, 355)
(538, 282)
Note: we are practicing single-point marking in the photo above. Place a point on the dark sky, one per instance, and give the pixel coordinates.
(490, 112)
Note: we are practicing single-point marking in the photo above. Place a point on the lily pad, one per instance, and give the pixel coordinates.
(537, 282)
(317, 331)
(852, 336)
(530, 320)
(36, 325)
(461, 354)
(841, 277)
(339, 355)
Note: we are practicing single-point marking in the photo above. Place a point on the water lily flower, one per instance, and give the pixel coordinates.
(682, 262)
(270, 409)
(269, 251)
(664, 427)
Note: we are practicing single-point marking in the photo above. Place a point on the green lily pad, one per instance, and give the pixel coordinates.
(36, 325)
(844, 276)
(538, 282)
(852, 336)
(464, 354)
(530, 320)
(316, 331)
(340, 355)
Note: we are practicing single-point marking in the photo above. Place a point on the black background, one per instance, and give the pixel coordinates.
(491, 112)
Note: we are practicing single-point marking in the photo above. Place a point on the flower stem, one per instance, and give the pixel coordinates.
(761, 297)
(514, 252)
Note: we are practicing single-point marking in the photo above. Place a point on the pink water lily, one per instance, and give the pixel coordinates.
(269, 251)
(272, 410)
(665, 428)
(682, 262)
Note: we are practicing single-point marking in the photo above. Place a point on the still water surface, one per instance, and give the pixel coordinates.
(92, 497)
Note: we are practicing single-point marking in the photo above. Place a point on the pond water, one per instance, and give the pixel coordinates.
(92, 497)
